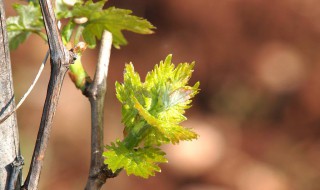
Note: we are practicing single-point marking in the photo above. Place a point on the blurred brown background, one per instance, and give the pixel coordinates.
(258, 112)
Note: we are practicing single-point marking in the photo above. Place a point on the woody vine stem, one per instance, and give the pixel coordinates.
(60, 58)
(95, 91)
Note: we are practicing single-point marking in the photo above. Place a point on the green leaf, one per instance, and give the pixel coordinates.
(29, 20)
(29, 15)
(160, 102)
(151, 112)
(117, 20)
(124, 92)
(171, 132)
(112, 19)
(66, 32)
(16, 38)
(62, 8)
(89, 9)
(141, 162)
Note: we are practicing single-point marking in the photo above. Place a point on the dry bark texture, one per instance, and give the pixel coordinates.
(9, 143)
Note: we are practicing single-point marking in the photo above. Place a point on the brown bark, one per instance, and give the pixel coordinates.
(96, 91)
(60, 58)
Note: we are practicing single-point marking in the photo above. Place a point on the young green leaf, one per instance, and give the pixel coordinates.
(151, 112)
(169, 130)
(160, 101)
(62, 8)
(112, 19)
(141, 162)
(66, 32)
(16, 38)
(29, 20)
(124, 92)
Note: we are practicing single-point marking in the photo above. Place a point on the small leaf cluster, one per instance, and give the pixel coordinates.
(151, 112)
(86, 19)
(83, 19)
(140, 161)
(96, 20)
(28, 21)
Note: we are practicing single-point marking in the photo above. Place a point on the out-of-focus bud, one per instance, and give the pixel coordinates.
(80, 47)
(70, 2)
(80, 20)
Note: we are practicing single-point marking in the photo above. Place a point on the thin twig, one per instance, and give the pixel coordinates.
(60, 58)
(104, 59)
(29, 90)
(24, 97)
(96, 91)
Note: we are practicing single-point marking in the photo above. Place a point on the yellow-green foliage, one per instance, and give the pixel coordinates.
(151, 112)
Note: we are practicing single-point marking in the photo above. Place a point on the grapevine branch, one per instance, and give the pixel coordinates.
(95, 92)
(60, 58)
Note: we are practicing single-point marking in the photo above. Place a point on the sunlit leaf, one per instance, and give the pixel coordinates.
(66, 32)
(29, 20)
(152, 112)
(113, 19)
(141, 162)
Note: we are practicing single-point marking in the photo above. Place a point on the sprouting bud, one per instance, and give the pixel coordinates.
(80, 20)
(80, 47)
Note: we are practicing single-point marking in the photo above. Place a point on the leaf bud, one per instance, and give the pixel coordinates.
(80, 20)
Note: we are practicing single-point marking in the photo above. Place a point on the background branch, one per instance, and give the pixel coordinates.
(96, 91)
(60, 59)
(9, 136)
